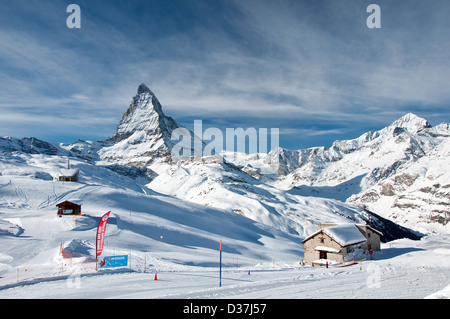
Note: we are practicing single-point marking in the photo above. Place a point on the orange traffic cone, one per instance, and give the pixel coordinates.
(156, 276)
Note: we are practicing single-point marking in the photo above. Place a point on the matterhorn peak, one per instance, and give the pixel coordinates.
(146, 98)
(144, 89)
(143, 114)
(144, 132)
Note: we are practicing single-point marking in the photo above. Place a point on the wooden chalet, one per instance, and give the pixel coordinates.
(68, 208)
(68, 175)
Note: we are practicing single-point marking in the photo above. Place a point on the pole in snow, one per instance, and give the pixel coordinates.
(220, 265)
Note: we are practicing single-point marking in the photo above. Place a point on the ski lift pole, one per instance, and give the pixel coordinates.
(220, 265)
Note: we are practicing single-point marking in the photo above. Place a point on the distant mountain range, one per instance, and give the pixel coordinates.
(400, 173)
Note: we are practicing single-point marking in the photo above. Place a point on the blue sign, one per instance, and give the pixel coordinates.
(116, 261)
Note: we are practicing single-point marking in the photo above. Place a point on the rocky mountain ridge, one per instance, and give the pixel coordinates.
(386, 171)
(372, 171)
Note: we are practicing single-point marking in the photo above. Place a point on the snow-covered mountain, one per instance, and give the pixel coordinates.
(388, 172)
(27, 145)
(291, 191)
(372, 156)
(169, 216)
(179, 241)
(143, 134)
(416, 195)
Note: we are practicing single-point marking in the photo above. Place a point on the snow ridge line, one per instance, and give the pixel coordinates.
(249, 287)
(38, 280)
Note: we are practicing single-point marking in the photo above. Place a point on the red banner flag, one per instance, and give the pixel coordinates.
(101, 233)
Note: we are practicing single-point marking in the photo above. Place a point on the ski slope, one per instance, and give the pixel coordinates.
(179, 241)
(403, 269)
(166, 230)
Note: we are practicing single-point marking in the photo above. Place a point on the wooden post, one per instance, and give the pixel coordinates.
(220, 265)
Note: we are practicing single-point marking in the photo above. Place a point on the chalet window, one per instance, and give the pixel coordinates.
(322, 240)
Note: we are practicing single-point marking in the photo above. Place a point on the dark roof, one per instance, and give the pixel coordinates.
(67, 203)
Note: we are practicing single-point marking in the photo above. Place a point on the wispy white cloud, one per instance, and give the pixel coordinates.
(311, 132)
(312, 61)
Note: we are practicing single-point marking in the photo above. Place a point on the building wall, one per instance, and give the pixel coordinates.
(373, 239)
(76, 209)
(71, 178)
(310, 254)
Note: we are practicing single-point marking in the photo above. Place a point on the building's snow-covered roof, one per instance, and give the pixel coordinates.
(68, 172)
(345, 234)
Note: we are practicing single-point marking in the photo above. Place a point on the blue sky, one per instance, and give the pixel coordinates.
(310, 68)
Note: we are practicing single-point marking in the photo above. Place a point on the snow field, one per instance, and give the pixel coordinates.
(179, 241)
(368, 280)
(403, 269)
